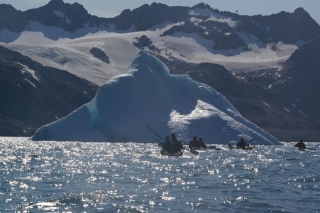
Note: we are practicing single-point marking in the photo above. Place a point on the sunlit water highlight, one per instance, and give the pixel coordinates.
(134, 177)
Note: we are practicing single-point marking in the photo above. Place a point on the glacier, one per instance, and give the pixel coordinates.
(148, 95)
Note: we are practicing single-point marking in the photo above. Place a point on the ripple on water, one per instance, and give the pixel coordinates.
(131, 177)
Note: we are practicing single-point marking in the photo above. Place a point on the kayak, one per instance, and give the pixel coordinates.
(199, 148)
(193, 151)
(176, 154)
(243, 148)
(213, 147)
(206, 148)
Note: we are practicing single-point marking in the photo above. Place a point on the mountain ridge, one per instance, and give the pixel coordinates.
(290, 27)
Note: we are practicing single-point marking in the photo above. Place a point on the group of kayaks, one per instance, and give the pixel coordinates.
(196, 151)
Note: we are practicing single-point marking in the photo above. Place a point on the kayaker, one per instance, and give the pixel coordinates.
(201, 143)
(241, 144)
(301, 145)
(177, 145)
(194, 143)
(167, 146)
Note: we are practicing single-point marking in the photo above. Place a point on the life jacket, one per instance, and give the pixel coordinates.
(194, 143)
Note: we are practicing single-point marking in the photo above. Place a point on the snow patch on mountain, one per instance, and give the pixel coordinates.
(200, 12)
(208, 44)
(32, 84)
(28, 70)
(250, 39)
(74, 55)
(59, 14)
(212, 16)
(223, 19)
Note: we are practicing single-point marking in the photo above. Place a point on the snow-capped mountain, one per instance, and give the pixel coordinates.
(221, 49)
(62, 35)
(226, 30)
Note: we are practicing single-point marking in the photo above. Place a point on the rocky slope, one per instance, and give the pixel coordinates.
(294, 90)
(33, 95)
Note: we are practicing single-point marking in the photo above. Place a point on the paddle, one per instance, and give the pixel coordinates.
(251, 140)
(159, 143)
(151, 130)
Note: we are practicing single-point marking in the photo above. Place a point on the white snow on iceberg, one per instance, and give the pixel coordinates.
(148, 95)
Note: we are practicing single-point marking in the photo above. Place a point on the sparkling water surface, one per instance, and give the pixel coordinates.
(66, 176)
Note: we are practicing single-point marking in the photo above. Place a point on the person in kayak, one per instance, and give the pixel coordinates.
(301, 145)
(194, 143)
(168, 145)
(241, 144)
(201, 143)
(177, 145)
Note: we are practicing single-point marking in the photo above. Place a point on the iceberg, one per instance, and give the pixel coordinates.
(148, 95)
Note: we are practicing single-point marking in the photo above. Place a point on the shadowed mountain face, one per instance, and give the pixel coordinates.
(17, 21)
(286, 27)
(295, 92)
(33, 95)
(301, 79)
(58, 14)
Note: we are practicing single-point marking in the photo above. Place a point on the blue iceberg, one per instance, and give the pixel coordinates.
(147, 94)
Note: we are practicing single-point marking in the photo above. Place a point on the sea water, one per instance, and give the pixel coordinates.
(67, 176)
